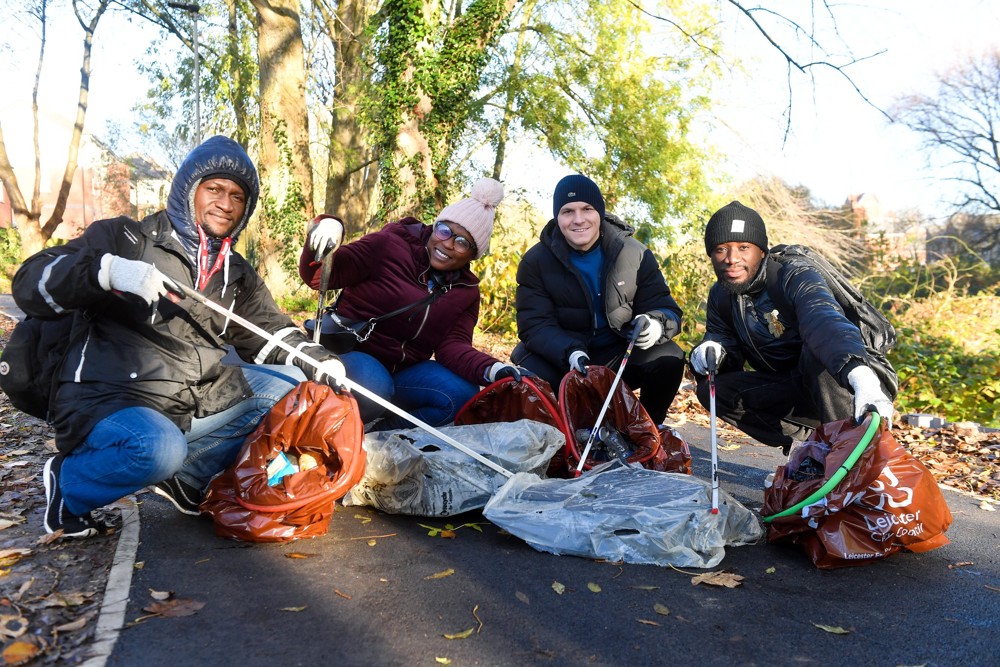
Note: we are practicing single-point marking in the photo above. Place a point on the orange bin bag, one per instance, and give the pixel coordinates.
(311, 419)
(581, 399)
(888, 501)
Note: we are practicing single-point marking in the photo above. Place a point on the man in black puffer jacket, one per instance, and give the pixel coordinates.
(809, 361)
(143, 396)
(583, 288)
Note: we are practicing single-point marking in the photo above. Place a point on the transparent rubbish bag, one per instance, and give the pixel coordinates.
(413, 472)
(628, 514)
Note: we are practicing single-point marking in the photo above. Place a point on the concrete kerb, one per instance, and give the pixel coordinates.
(116, 593)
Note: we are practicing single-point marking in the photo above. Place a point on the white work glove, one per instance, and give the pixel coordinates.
(135, 277)
(578, 362)
(501, 370)
(868, 393)
(650, 329)
(331, 372)
(325, 235)
(699, 358)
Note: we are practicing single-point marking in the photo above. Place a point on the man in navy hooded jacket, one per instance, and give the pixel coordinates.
(143, 397)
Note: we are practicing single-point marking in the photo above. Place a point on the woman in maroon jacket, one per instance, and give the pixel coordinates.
(407, 263)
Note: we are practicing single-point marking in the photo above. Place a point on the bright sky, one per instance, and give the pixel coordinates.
(838, 145)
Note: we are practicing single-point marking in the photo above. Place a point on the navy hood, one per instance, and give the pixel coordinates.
(219, 157)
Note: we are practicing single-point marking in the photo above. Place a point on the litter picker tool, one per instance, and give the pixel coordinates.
(607, 401)
(324, 279)
(348, 384)
(711, 361)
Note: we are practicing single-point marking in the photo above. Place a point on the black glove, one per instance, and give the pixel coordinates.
(501, 370)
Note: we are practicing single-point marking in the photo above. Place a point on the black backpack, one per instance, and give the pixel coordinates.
(877, 332)
(32, 357)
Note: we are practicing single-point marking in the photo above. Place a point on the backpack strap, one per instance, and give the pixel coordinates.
(774, 289)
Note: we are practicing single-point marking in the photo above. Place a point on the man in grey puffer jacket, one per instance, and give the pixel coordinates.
(584, 288)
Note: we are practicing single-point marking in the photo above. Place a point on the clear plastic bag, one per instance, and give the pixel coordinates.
(413, 472)
(628, 514)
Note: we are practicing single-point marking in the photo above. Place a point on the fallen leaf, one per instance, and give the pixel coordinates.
(139, 564)
(364, 519)
(460, 635)
(645, 622)
(78, 624)
(441, 575)
(19, 653)
(729, 448)
(478, 620)
(771, 570)
(160, 595)
(442, 661)
(645, 588)
(558, 588)
(720, 578)
(593, 587)
(12, 626)
(23, 589)
(448, 534)
(302, 608)
(7, 523)
(13, 555)
(832, 629)
(522, 597)
(960, 564)
(372, 543)
(661, 610)
(174, 608)
(985, 505)
(296, 554)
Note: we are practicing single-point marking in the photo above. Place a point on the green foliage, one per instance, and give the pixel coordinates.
(948, 354)
(281, 214)
(498, 284)
(10, 256)
(939, 376)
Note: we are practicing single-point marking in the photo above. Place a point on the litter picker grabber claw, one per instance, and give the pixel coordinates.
(348, 384)
(324, 278)
(607, 401)
(711, 361)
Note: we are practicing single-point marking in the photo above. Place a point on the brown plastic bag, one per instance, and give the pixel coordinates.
(887, 501)
(581, 399)
(312, 419)
(579, 402)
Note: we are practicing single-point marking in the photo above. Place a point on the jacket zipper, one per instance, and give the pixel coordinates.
(746, 329)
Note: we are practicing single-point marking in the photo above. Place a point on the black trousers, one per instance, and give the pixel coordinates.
(655, 372)
(779, 408)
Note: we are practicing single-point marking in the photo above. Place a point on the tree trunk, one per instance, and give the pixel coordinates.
(284, 162)
(431, 97)
(33, 234)
(351, 168)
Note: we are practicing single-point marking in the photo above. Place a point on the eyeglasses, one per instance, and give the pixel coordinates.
(444, 232)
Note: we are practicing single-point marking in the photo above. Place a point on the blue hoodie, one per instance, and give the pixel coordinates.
(218, 156)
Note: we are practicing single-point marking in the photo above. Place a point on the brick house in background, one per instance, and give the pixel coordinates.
(904, 238)
(104, 184)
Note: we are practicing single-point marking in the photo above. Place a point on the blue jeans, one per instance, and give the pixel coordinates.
(428, 391)
(135, 447)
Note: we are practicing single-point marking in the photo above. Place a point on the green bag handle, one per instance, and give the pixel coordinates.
(836, 476)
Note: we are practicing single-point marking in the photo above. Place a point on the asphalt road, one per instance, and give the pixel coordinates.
(365, 595)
